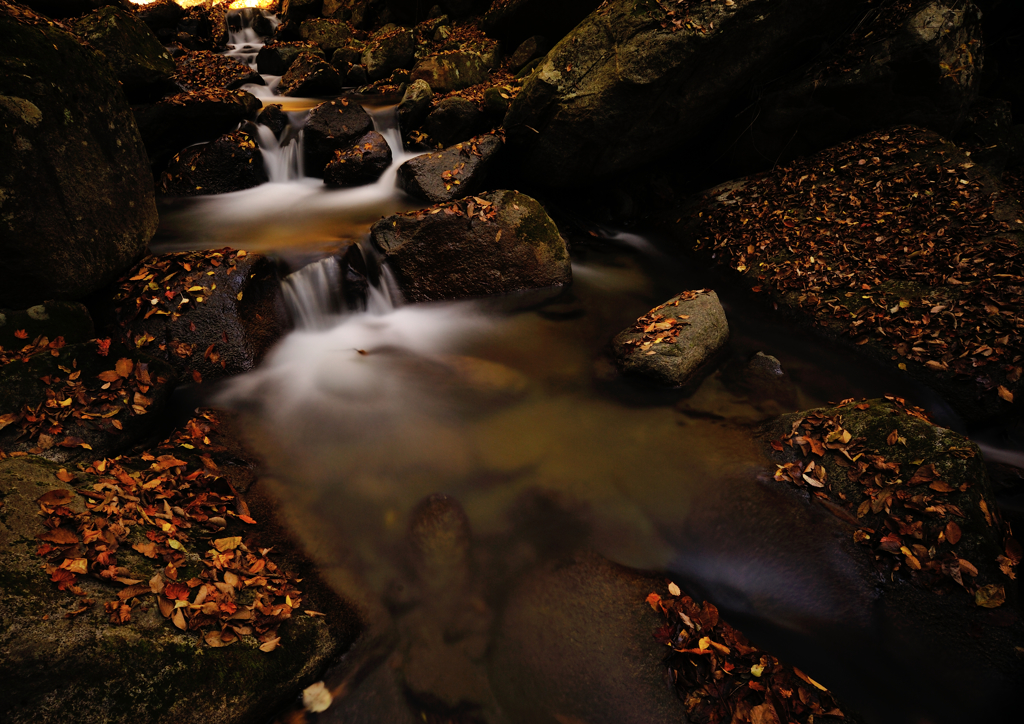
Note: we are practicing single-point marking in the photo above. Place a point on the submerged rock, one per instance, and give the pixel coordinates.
(141, 63)
(361, 164)
(895, 284)
(75, 188)
(673, 341)
(310, 75)
(333, 126)
(497, 243)
(586, 112)
(229, 163)
(453, 173)
(99, 400)
(187, 118)
(206, 325)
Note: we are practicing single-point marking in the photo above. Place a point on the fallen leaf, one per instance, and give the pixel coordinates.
(227, 544)
(56, 497)
(953, 532)
(316, 698)
(60, 536)
(124, 367)
(272, 644)
(990, 596)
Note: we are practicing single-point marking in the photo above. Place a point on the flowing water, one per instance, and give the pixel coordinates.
(512, 407)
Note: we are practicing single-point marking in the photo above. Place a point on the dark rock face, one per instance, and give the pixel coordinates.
(203, 69)
(310, 75)
(912, 268)
(917, 507)
(141, 63)
(333, 126)
(453, 173)
(173, 123)
(299, 9)
(531, 48)
(88, 415)
(328, 34)
(388, 51)
(231, 162)
(453, 120)
(414, 105)
(353, 11)
(276, 58)
(673, 341)
(210, 326)
(69, 320)
(161, 17)
(516, 20)
(915, 62)
(77, 199)
(451, 71)
(68, 8)
(361, 164)
(498, 243)
(581, 115)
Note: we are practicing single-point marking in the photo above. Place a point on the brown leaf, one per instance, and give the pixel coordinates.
(227, 544)
(953, 532)
(178, 619)
(64, 476)
(942, 487)
(924, 474)
(270, 644)
(990, 596)
(893, 436)
(56, 497)
(764, 714)
(147, 549)
(60, 536)
(124, 367)
(109, 375)
(1005, 394)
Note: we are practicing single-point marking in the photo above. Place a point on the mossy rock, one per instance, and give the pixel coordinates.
(58, 665)
(497, 243)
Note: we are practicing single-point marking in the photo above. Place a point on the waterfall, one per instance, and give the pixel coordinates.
(244, 42)
(313, 294)
(283, 159)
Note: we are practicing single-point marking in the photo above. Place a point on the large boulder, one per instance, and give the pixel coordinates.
(835, 241)
(913, 62)
(141, 63)
(333, 126)
(387, 51)
(454, 119)
(209, 314)
(453, 173)
(516, 20)
(328, 34)
(673, 341)
(310, 75)
(586, 112)
(171, 124)
(452, 70)
(232, 162)
(496, 243)
(913, 503)
(275, 58)
(76, 198)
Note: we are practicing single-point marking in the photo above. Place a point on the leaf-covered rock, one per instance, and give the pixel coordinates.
(452, 70)
(673, 341)
(361, 164)
(51, 319)
(333, 126)
(453, 120)
(276, 58)
(328, 34)
(78, 204)
(202, 69)
(310, 75)
(496, 243)
(231, 162)
(387, 51)
(453, 173)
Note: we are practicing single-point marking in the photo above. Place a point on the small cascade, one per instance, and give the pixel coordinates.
(244, 40)
(282, 159)
(313, 294)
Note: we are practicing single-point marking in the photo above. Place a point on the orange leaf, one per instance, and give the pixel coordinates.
(1005, 394)
(64, 476)
(56, 497)
(124, 367)
(60, 536)
(109, 375)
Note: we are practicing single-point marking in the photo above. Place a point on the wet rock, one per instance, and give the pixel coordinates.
(171, 124)
(917, 283)
(915, 62)
(51, 319)
(575, 119)
(415, 103)
(451, 71)
(310, 75)
(333, 126)
(496, 103)
(530, 49)
(433, 176)
(203, 69)
(274, 118)
(328, 34)
(387, 51)
(161, 17)
(917, 506)
(276, 58)
(195, 30)
(361, 164)
(64, 659)
(140, 62)
(673, 341)
(550, 657)
(78, 204)
(497, 243)
(229, 163)
(93, 411)
(453, 120)
(356, 76)
(210, 325)
(356, 12)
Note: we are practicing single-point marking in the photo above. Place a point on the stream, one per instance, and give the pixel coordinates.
(513, 407)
